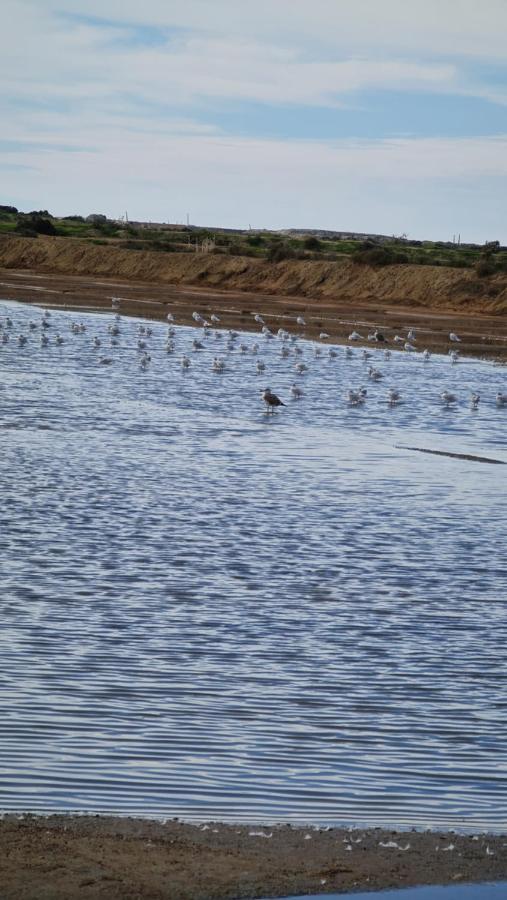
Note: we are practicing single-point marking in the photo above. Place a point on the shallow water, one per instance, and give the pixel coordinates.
(208, 611)
(486, 891)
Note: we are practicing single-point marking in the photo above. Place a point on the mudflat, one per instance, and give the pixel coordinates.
(63, 857)
(482, 334)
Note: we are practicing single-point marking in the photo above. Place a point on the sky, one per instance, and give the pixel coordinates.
(387, 117)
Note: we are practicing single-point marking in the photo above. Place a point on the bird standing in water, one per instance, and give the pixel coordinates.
(271, 400)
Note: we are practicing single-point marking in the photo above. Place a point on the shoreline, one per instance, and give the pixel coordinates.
(63, 856)
(482, 335)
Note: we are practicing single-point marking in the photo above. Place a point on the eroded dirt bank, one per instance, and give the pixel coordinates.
(424, 286)
(65, 857)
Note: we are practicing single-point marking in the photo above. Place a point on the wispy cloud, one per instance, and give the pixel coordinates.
(108, 102)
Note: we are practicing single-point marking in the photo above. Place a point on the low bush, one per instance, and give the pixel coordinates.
(484, 268)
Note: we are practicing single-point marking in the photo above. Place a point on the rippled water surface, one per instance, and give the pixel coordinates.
(208, 611)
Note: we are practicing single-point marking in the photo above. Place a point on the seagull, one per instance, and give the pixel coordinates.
(259, 319)
(197, 317)
(393, 396)
(453, 356)
(323, 335)
(105, 360)
(185, 362)
(501, 399)
(143, 362)
(22, 339)
(426, 355)
(376, 336)
(44, 340)
(58, 339)
(349, 352)
(374, 374)
(217, 365)
(260, 366)
(197, 345)
(454, 337)
(215, 319)
(271, 400)
(284, 352)
(411, 335)
(366, 354)
(170, 317)
(387, 354)
(300, 320)
(332, 353)
(408, 347)
(169, 347)
(296, 392)
(355, 336)
(254, 348)
(96, 342)
(115, 302)
(317, 351)
(474, 400)
(301, 368)
(447, 398)
(398, 339)
(355, 398)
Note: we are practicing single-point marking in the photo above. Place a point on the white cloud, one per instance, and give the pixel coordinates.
(65, 58)
(232, 181)
(449, 28)
(71, 84)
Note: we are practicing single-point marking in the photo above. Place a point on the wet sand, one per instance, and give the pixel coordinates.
(481, 335)
(64, 857)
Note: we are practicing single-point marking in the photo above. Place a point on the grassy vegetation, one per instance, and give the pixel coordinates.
(271, 246)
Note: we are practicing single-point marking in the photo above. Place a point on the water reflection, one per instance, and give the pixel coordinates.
(212, 612)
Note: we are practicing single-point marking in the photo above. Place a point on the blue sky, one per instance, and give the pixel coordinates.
(386, 117)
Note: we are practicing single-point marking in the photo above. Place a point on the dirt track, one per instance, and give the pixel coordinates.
(65, 857)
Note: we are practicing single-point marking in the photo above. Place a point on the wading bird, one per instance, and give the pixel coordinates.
(271, 400)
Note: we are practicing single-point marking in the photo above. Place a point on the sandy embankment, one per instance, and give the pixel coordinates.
(65, 857)
(331, 296)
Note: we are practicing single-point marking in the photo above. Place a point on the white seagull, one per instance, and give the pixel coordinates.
(447, 398)
(355, 398)
(454, 337)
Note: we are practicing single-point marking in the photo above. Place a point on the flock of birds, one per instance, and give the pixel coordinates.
(233, 341)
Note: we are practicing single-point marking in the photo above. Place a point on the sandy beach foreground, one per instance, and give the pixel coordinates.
(65, 856)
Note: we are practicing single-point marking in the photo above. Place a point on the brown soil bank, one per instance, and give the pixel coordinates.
(424, 286)
(65, 857)
(332, 297)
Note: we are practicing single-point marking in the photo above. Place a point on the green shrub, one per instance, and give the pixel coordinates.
(312, 243)
(278, 251)
(34, 223)
(485, 267)
(379, 256)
